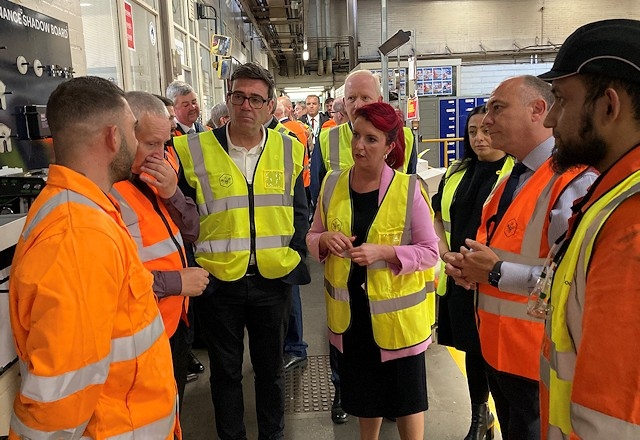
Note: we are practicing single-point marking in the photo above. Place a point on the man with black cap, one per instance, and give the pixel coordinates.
(588, 392)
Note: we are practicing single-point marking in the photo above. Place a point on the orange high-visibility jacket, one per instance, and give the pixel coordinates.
(93, 354)
(511, 339)
(301, 133)
(159, 243)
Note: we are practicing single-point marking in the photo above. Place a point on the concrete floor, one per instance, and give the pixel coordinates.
(447, 418)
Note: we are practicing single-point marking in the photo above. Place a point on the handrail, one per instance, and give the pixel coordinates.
(439, 140)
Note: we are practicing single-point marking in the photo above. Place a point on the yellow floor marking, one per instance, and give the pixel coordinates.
(458, 358)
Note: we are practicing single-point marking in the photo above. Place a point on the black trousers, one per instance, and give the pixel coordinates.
(517, 404)
(179, 355)
(225, 309)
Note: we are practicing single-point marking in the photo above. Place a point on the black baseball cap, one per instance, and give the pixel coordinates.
(609, 48)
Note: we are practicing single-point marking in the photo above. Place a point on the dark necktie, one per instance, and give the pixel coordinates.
(507, 196)
(191, 131)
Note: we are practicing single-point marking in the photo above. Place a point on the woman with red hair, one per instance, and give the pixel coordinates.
(373, 231)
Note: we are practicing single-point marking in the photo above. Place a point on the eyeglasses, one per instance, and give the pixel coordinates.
(256, 102)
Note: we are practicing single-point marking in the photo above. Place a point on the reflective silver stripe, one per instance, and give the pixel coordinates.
(504, 307)
(52, 388)
(406, 233)
(287, 142)
(275, 241)
(447, 226)
(269, 200)
(380, 264)
(160, 249)
(235, 202)
(225, 204)
(563, 363)
(160, 429)
(334, 149)
(129, 347)
(594, 425)
(227, 245)
(330, 183)
(199, 169)
(397, 304)
(336, 293)
(61, 198)
(146, 253)
(545, 371)
(26, 433)
(555, 433)
(242, 244)
(512, 257)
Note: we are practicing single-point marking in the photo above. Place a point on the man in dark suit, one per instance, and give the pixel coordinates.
(314, 118)
(185, 103)
(187, 112)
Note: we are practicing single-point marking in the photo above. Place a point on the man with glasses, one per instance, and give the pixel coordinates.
(247, 182)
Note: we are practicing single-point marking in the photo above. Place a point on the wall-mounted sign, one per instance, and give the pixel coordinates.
(128, 19)
(434, 81)
(392, 76)
(28, 18)
(220, 45)
(413, 112)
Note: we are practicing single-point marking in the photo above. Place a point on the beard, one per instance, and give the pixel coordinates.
(120, 166)
(588, 149)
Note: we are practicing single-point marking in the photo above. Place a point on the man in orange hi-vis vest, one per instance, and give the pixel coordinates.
(93, 353)
(162, 221)
(521, 220)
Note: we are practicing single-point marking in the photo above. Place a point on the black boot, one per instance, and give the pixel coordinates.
(338, 416)
(481, 423)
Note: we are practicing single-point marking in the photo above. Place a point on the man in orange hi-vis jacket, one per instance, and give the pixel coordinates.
(93, 353)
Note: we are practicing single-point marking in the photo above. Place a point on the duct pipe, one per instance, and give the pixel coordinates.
(320, 38)
(327, 34)
(352, 30)
(385, 61)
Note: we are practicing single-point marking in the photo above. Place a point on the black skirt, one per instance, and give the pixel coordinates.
(370, 387)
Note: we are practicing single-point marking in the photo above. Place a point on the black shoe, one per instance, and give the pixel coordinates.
(192, 377)
(195, 366)
(338, 416)
(482, 422)
(290, 361)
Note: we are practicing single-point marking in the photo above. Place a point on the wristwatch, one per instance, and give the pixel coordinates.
(494, 275)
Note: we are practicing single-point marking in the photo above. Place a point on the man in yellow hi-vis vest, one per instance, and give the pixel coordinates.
(247, 183)
(589, 367)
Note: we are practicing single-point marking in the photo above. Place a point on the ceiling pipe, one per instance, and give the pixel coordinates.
(320, 39)
(352, 31)
(384, 60)
(247, 10)
(327, 32)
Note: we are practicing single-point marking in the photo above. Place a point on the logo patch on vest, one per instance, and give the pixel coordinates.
(336, 225)
(273, 179)
(511, 227)
(226, 180)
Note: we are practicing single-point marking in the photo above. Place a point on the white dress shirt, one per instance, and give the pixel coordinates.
(245, 159)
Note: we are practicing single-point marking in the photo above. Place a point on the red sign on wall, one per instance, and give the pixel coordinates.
(128, 19)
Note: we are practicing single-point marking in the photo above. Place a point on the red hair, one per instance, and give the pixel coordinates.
(384, 117)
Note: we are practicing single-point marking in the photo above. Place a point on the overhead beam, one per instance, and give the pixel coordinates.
(247, 10)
